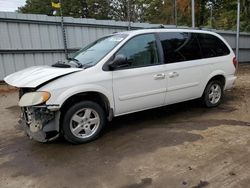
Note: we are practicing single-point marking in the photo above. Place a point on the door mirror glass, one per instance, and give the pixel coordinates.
(119, 61)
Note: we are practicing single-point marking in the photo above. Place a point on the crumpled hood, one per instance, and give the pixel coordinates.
(35, 76)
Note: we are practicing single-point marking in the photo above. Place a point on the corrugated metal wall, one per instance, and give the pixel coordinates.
(28, 39)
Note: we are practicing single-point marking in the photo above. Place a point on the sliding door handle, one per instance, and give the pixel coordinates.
(173, 74)
(159, 76)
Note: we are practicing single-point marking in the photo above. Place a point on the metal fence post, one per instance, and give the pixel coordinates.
(238, 30)
(63, 32)
(175, 13)
(129, 16)
(193, 15)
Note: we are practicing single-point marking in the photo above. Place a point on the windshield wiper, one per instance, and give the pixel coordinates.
(87, 65)
(79, 65)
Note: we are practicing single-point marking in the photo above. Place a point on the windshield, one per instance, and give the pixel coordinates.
(94, 52)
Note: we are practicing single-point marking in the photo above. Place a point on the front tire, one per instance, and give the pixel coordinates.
(83, 122)
(213, 94)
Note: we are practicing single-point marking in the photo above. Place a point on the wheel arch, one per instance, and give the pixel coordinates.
(216, 76)
(94, 96)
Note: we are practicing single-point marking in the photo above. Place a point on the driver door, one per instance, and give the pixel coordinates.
(142, 84)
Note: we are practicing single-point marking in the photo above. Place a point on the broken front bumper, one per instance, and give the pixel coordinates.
(40, 123)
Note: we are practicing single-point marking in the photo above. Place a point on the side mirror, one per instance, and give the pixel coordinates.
(119, 62)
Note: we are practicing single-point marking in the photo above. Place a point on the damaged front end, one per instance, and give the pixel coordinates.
(39, 122)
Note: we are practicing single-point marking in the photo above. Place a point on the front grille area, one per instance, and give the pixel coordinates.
(36, 120)
(27, 115)
(31, 114)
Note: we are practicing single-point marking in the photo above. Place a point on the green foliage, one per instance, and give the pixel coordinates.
(98, 9)
(159, 11)
(219, 14)
(37, 7)
(225, 15)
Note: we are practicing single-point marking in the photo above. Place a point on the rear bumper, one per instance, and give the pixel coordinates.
(230, 82)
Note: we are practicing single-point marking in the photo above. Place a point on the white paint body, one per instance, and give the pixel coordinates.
(134, 89)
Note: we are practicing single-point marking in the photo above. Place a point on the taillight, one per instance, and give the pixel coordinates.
(235, 62)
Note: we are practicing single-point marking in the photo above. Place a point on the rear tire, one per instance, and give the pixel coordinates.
(83, 122)
(213, 94)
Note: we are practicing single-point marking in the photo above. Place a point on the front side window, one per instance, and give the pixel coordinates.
(93, 53)
(141, 51)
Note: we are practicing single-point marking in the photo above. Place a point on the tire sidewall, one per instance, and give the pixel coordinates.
(68, 135)
(206, 94)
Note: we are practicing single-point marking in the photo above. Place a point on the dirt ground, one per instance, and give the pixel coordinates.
(183, 145)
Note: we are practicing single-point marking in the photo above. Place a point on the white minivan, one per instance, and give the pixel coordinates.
(119, 74)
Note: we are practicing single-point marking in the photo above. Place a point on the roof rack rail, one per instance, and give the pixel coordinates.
(156, 27)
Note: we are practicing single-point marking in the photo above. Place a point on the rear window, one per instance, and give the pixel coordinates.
(212, 46)
(182, 46)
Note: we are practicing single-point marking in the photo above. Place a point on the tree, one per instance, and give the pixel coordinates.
(184, 12)
(245, 23)
(37, 7)
(125, 9)
(159, 11)
(152, 11)
(98, 9)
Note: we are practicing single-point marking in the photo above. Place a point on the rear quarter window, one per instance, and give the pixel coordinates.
(212, 46)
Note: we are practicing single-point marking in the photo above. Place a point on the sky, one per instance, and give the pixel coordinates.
(10, 5)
